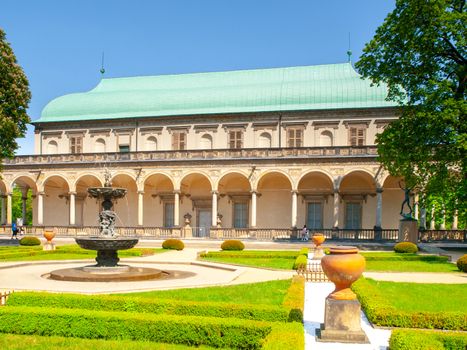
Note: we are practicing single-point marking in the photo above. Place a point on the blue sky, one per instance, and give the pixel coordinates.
(59, 43)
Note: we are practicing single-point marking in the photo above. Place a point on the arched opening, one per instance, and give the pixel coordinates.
(234, 201)
(325, 139)
(315, 209)
(99, 146)
(275, 201)
(264, 140)
(159, 201)
(126, 208)
(393, 196)
(52, 147)
(196, 200)
(358, 193)
(23, 201)
(205, 142)
(151, 143)
(87, 208)
(56, 209)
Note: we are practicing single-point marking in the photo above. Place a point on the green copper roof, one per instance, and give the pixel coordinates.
(332, 86)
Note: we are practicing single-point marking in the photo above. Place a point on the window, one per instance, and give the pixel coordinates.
(314, 215)
(76, 144)
(235, 139)
(294, 137)
(206, 142)
(99, 146)
(168, 214)
(357, 135)
(325, 139)
(52, 147)
(179, 140)
(240, 215)
(264, 140)
(124, 148)
(353, 215)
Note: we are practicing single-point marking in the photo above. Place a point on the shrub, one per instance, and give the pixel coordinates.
(29, 240)
(294, 300)
(173, 244)
(462, 263)
(303, 251)
(232, 244)
(404, 339)
(285, 336)
(300, 262)
(92, 324)
(405, 247)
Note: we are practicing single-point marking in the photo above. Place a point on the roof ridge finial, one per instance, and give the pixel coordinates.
(349, 52)
(102, 70)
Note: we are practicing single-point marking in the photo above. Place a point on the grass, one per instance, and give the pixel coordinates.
(35, 342)
(396, 262)
(418, 296)
(282, 260)
(269, 293)
(65, 252)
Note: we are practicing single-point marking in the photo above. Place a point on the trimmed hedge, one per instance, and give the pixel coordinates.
(251, 254)
(404, 339)
(303, 251)
(381, 313)
(405, 247)
(408, 257)
(232, 244)
(30, 240)
(192, 331)
(285, 336)
(300, 262)
(294, 300)
(158, 306)
(173, 243)
(462, 263)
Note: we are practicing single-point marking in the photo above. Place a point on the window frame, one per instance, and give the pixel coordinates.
(237, 141)
(294, 141)
(346, 213)
(76, 147)
(177, 143)
(247, 213)
(357, 135)
(321, 203)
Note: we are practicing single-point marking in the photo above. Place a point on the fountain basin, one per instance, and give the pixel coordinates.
(107, 248)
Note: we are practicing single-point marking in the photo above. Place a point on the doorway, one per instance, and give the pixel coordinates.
(204, 222)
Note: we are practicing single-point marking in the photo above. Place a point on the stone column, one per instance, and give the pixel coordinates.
(336, 209)
(423, 218)
(432, 221)
(3, 214)
(177, 208)
(294, 208)
(140, 207)
(214, 209)
(40, 208)
(454, 220)
(253, 209)
(379, 208)
(23, 208)
(443, 219)
(9, 211)
(72, 208)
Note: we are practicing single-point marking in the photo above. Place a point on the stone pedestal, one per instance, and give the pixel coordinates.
(318, 254)
(342, 322)
(48, 246)
(408, 230)
(188, 231)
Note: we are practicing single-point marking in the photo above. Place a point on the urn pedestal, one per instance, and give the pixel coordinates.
(408, 230)
(343, 266)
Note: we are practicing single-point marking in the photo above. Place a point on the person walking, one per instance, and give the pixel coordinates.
(304, 233)
(14, 230)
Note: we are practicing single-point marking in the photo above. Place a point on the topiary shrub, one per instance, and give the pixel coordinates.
(462, 263)
(173, 244)
(405, 247)
(232, 244)
(29, 240)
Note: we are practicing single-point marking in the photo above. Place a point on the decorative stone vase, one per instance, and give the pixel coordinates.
(343, 266)
(49, 235)
(318, 239)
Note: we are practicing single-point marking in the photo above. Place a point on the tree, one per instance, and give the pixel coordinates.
(420, 53)
(14, 100)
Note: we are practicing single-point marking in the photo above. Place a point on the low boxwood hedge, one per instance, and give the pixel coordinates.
(300, 262)
(294, 300)
(285, 336)
(232, 244)
(462, 263)
(405, 247)
(404, 339)
(158, 306)
(173, 243)
(189, 330)
(30, 240)
(381, 313)
(407, 257)
(252, 254)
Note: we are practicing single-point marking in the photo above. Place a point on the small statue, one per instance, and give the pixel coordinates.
(219, 220)
(107, 223)
(187, 218)
(405, 202)
(107, 178)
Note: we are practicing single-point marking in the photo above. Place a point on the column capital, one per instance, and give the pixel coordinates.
(40, 193)
(177, 191)
(294, 191)
(335, 190)
(379, 190)
(141, 192)
(254, 192)
(72, 193)
(215, 192)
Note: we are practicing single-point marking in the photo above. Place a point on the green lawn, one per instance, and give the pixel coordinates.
(65, 252)
(269, 293)
(396, 262)
(35, 342)
(283, 260)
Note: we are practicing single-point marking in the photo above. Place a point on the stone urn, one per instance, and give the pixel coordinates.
(49, 235)
(343, 266)
(318, 239)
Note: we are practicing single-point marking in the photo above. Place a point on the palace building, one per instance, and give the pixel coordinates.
(250, 153)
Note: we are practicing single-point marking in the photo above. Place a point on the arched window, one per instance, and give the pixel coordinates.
(205, 142)
(52, 147)
(151, 143)
(264, 140)
(325, 139)
(99, 146)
